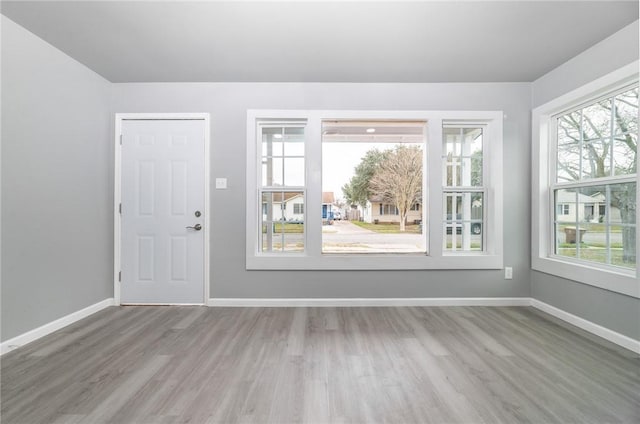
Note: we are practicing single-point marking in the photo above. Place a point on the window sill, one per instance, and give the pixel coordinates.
(374, 262)
(618, 281)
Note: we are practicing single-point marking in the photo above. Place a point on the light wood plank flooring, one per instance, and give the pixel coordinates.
(320, 365)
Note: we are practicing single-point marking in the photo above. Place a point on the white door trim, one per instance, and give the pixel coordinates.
(117, 194)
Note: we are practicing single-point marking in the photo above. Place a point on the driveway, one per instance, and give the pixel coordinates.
(343, 236)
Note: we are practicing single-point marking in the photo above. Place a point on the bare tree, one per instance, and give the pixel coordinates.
(398, 179)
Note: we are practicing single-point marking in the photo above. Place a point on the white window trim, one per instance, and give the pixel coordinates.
(614, 279)
(313, 258)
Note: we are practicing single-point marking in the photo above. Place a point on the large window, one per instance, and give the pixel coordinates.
(597, 150)
(374, 190)
(587, 206)
(375, 169)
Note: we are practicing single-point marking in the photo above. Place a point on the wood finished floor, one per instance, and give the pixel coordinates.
(320, 365)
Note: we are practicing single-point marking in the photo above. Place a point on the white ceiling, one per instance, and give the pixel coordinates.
(330, 41)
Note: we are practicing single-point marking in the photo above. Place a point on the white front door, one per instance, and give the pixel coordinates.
(162, 212)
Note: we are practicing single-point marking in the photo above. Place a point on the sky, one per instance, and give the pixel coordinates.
(338, 162)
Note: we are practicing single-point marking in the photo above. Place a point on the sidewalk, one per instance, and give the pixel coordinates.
(345, 228)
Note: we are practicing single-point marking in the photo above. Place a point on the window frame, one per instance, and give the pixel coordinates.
(544, 154)
(313, 258)
(274, 189)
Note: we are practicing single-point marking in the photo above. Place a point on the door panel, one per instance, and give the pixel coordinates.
(162, 188)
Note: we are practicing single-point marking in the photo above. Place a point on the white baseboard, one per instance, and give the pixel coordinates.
(56, 325)
(607, 334)
(400, 301)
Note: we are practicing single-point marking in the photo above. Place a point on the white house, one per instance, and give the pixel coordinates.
(377, 210)
(587, 209)
(289, 206)
(284, 207)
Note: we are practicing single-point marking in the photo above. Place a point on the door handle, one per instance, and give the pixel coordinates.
(196, 227)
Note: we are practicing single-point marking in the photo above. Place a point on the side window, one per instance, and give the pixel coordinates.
(282, 187)
(463, 188)
(595, 181)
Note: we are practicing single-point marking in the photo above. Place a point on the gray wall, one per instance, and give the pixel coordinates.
(56, 184)
(611, 310)
(608, 55)
(227, 103)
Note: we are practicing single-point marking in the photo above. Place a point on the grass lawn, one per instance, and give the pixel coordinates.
(288, 228)
(584, 245)
(389, 228)
(474, 246)
(595, 255)
(595, 228)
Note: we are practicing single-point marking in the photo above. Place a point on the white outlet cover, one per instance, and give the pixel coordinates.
(508, 273)
(221, 183)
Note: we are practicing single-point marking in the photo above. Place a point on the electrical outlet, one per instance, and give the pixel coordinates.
(221, 183)
(508, 273)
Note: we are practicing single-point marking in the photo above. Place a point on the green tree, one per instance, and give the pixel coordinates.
(357, 190)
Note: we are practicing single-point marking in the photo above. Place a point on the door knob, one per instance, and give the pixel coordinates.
(196, 227)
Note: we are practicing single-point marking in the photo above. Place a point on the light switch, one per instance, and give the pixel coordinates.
(221, 183)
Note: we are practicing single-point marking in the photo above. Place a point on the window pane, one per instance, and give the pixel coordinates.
(623, 252)
(462, 156)
(282, 228)
(272, 172)
(294, 172)
(453, 167)
(626, 114)
(294, 141)
(596, 120)
(272, 141)
(625, 154)
(600, 226)
(585, 146)
(622, 203)
(595, 159)
(569, 129)
(568, 159)
(372, 170)
(463, 223)
(568, 162)
(566, 206)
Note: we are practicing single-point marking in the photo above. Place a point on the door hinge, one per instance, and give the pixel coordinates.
(120, 276)
(120, 208)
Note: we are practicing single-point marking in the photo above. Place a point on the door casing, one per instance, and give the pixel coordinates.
(117, 222)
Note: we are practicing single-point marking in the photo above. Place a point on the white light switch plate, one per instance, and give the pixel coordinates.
(221, 183)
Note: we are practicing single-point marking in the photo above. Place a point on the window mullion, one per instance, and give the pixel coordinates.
(313, 166)
(433, 210)
(595, 182)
